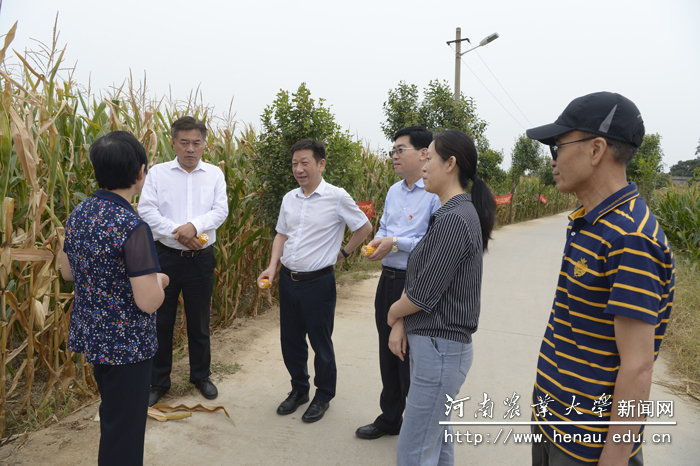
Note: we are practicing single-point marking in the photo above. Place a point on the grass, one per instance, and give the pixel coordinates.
(361, 269)
(682, 340)
(34, 419)
(221, 369)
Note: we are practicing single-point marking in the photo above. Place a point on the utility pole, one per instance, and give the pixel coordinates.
(458, 54)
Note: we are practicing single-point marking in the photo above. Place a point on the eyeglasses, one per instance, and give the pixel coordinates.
(554, 149)
(400, 150)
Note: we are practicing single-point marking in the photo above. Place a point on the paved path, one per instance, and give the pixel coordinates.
(520, 273)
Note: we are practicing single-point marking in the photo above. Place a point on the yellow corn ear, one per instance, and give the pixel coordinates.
(368, 250)
(203, 238)
(265, 284)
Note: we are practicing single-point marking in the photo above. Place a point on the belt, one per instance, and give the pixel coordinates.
(393, 273)
(184, 252)
(302, 276)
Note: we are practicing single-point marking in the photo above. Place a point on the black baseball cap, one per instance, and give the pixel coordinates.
(606, 114)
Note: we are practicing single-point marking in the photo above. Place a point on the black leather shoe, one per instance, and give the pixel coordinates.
(293, 401)
(315, 411)
(371, 432)
(155, 394)
(207, 388)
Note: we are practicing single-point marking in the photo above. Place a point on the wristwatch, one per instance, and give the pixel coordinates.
(395, 245)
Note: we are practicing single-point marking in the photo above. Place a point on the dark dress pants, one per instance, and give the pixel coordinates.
(123, 412)
(396, 374)
(308, 308)
(194, 277)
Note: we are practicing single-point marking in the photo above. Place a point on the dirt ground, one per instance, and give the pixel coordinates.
(78, 435)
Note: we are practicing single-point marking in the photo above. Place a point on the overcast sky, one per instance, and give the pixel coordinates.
(353, 53)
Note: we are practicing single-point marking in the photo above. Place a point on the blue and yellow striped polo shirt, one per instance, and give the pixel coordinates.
(617, 261)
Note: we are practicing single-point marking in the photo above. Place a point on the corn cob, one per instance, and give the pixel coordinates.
(203, 238)
(264, 284)
(368, 250)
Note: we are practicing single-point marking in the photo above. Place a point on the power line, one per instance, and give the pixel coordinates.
(492, 94)
(504, 89)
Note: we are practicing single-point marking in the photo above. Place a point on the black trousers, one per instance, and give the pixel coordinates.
(308, 308)
(547, 454)
(194, 277)
(123, 412)
(396, 374)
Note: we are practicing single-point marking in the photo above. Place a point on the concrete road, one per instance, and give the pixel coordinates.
(520, 274)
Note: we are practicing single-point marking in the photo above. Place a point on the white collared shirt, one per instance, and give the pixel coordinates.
(172, 197)
(314, 226)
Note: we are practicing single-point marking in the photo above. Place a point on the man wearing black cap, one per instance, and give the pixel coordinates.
(613, 297)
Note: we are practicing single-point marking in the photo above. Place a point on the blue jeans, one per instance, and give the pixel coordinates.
(439, 367)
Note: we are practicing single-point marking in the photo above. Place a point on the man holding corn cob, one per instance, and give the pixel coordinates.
(310, 231)
(184, 202)
(407, 211)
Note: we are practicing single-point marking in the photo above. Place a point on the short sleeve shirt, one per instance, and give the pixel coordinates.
(106, 243)
(617, 261)
(314, 226)
(444, 273)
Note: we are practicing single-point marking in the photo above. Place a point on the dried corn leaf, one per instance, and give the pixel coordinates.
(51, 121)
(160, 416)
(23, 147)
(8, 40)
(31, 255)
(166, 408)
(15, 380)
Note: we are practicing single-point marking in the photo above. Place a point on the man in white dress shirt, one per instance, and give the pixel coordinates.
(182, 199)
(310, 231)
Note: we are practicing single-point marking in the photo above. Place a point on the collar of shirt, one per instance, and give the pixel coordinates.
(320, 190)
(624, 195)
(113, 197)
(174, 164)
(449, 205)
(417, 184)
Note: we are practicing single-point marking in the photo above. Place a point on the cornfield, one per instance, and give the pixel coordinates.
(677, 208)
(526, 203)
(46, 129)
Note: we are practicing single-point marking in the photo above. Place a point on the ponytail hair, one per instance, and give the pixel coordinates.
(453, 143)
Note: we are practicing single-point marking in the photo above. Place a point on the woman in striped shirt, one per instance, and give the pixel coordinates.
(439, 309)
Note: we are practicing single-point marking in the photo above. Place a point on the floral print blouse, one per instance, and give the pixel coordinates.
(106, 243)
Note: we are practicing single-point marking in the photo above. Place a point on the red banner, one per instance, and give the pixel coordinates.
(503, 200)
(367, 207)
(543, 199)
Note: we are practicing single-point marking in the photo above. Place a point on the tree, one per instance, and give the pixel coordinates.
(287, 121)
(647, 165)
(488, 167)
(437, 111)
(401, 109)
(685, 167)
(544, 170)
(526, 157)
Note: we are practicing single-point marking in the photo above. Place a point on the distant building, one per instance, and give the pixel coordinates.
(680, 180)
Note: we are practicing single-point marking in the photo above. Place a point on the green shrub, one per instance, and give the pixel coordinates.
(287, 121)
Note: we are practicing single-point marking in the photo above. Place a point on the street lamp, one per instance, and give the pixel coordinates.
(458, 55)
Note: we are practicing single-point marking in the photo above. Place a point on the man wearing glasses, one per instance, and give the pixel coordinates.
(614, 294)
(407, 210)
